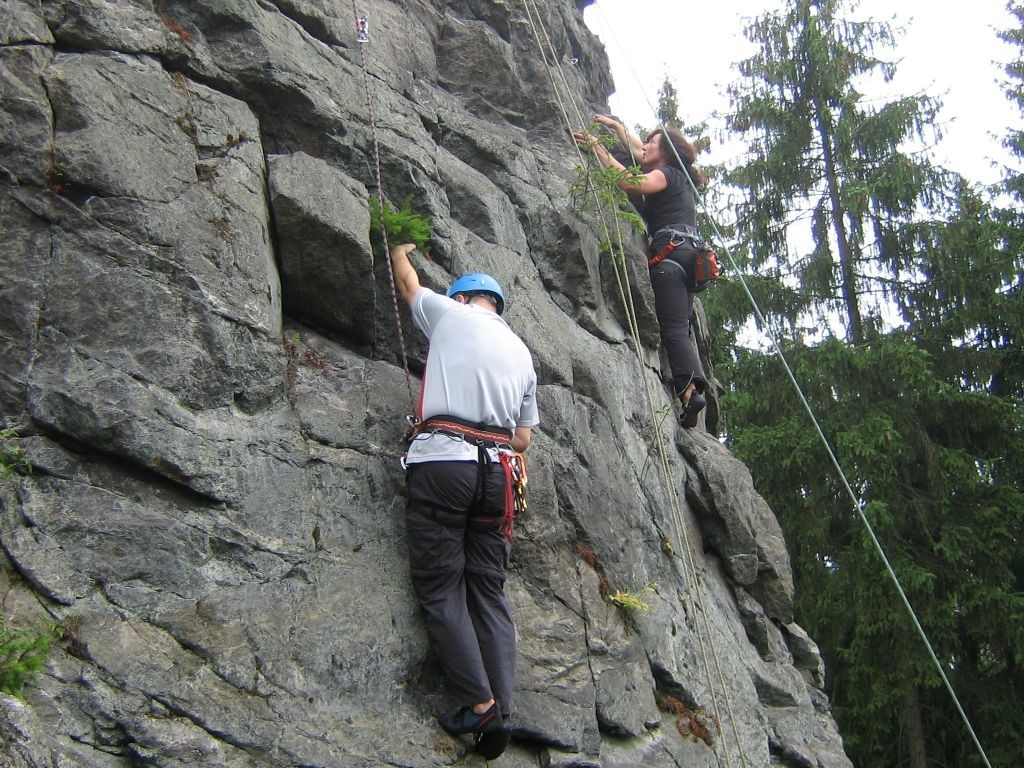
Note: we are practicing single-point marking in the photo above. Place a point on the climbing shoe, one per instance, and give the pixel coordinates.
(691, 410)
(492, 744)
(465, 720)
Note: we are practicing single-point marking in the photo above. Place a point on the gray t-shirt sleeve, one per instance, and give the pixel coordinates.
(428, 308)
(528, 414)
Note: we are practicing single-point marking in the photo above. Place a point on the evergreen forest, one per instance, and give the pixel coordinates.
(892, 287)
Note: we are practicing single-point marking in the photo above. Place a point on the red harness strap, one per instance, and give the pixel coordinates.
(663, 254)
(499, 437)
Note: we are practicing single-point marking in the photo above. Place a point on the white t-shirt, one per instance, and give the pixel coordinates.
(477, 370)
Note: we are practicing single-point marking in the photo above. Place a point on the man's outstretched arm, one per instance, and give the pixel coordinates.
(407, 282)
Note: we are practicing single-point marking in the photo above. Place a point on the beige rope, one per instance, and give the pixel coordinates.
(622, 281)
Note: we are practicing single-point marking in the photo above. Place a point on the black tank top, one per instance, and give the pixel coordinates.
(673, 207)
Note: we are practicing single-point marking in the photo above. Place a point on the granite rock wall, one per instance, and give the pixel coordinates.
(199, 357)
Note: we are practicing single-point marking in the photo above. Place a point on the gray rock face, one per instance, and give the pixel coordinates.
(198, 350)
(322, 245)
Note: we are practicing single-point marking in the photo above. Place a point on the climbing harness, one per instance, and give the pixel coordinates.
(363, 38)
(664, 253)
(698, 260)
(484, 436)
(472, 432)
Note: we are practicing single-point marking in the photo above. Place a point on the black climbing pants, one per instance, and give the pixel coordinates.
(673, 304)
(459, 560)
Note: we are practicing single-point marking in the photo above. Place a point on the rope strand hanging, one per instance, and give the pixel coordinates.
(363, 38)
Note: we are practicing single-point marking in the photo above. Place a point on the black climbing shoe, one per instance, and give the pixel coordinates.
(492, 744)
(691, 410)
(465, 720)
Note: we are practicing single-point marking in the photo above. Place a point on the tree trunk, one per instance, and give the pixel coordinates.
(847, 271)
(826, 130)
(915, 726)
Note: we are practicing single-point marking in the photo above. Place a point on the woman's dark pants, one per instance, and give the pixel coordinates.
(673, 304)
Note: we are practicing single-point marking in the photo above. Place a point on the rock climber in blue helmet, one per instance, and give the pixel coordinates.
(464, 470)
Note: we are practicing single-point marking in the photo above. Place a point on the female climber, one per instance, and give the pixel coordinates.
(663, 196)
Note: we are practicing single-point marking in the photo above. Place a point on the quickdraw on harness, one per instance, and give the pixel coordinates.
(700, 262)
(484, 436)
(515, 488)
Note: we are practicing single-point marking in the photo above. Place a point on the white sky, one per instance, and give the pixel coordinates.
(948, 50)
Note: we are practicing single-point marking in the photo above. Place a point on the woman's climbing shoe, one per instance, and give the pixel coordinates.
(691, 410)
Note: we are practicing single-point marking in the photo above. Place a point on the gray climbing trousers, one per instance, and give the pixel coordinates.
(459, 559)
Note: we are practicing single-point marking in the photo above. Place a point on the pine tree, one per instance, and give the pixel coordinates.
(668, 105)
(820, 156)
(1014, 87)
(1008, 380)
(668, 116)
(969, 316)
(894, 289)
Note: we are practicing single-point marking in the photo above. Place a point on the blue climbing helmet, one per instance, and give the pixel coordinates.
(478, 282)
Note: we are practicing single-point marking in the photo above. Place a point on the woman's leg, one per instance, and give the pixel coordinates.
(673, 304)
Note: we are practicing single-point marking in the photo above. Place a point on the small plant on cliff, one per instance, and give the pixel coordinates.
(13, 460)
(23, 653)
(595, 183)
(402, 226)
(633, 601)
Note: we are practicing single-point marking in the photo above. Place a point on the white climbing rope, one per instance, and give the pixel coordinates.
(622, 280)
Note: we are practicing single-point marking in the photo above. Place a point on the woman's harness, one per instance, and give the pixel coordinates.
(484, 436)
(699, 262)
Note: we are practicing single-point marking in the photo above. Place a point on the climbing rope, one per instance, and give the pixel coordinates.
(857, 502)
(363, 38)
(622, 280)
